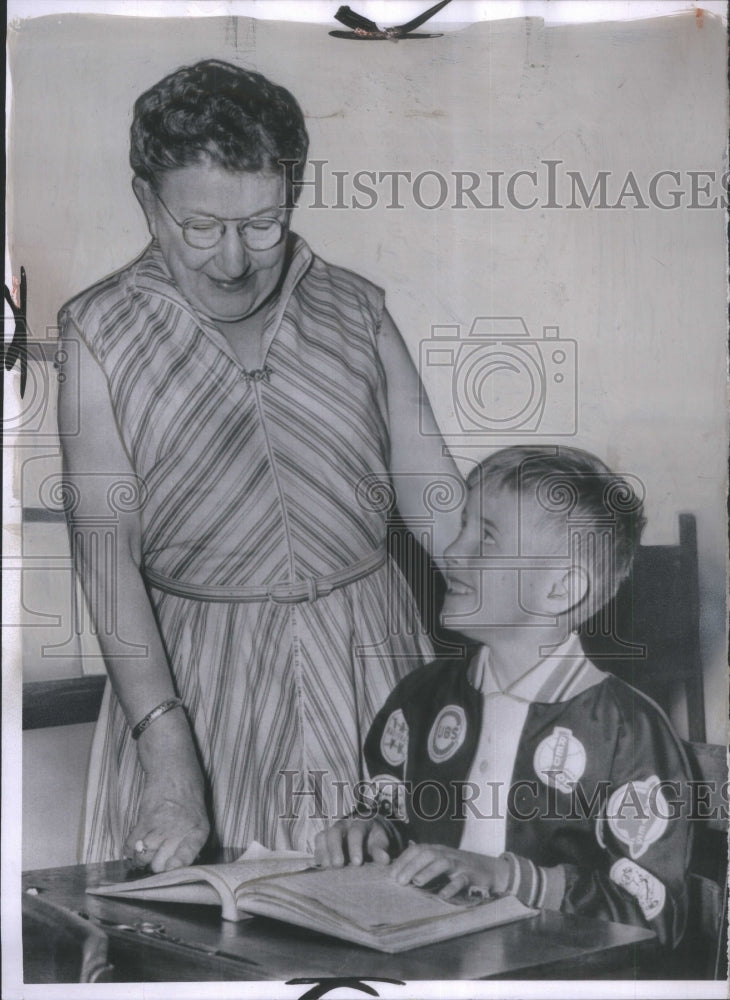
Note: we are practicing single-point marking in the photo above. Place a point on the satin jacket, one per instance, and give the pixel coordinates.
(598, 803)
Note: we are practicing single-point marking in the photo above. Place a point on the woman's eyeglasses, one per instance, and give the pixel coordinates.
(204, 232)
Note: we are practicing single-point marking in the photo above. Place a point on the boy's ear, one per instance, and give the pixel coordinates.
(566, 590)
(146, 197)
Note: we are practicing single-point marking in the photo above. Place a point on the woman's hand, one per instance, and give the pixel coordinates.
(421, 863)
(172, 824)
(352, 840)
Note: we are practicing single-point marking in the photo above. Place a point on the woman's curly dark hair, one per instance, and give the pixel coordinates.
(214, 110)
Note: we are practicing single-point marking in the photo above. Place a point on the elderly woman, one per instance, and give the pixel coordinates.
(252, 389)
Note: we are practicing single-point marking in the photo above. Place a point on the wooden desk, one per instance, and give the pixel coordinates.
(195, 945)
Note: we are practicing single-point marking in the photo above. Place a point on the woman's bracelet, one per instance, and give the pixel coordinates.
(164, 706)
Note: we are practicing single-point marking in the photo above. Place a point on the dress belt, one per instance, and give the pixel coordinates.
(307, 589)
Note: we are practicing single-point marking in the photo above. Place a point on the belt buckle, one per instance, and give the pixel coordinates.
(281, 593)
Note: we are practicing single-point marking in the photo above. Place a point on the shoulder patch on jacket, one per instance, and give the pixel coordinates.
(637, 814)
(394, 739)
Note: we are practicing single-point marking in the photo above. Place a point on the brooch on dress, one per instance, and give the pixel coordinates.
(258, 374)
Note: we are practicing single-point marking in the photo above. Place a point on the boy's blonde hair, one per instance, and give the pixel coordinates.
(602, 512)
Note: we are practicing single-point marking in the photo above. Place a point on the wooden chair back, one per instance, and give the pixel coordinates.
(649, 634)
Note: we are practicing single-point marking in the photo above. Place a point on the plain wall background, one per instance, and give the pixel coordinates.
(642, 292)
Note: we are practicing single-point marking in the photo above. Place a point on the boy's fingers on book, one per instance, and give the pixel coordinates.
(421, 863)
(408, 862)
(348, 842)
(321, 857)
(377, 844)
(328, 847)
(431, 870)
(380, 856)
(456, 884)
(355, 839)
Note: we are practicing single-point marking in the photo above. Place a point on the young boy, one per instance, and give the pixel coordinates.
(524, 768)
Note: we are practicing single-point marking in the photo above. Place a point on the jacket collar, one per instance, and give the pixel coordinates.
(564, 673)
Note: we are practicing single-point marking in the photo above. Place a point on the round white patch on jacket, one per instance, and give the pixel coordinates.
(560, 759)
(394, 740)
(637, 814)
(447, 733)
(646, 888)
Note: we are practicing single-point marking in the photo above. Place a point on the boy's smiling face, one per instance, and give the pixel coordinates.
(492, 577)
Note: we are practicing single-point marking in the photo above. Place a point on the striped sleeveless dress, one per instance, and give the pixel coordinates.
(253, 482)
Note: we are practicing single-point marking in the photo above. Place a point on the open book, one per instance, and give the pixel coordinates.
(219, 885)
(362, 904)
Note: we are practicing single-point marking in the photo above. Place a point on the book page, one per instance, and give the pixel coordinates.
(199, 893)
(233, 875)
(367, 897)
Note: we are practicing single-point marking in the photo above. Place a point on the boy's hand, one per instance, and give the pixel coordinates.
(352, 840)
(421, 863)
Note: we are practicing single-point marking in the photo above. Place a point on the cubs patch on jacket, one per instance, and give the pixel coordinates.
(571, 774)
